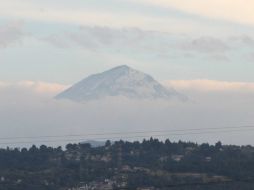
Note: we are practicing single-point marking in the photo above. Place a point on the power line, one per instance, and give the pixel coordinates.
(124, 137)
(119, 133)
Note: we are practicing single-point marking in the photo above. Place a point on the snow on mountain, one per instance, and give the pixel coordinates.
(120, 81)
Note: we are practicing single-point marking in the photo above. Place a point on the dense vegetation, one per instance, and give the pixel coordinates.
(129, 165)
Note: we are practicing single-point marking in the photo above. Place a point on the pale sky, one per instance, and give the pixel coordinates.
(63, 41)
(202, 48)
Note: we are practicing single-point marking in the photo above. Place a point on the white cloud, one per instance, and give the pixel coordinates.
(4, 84)
(206, 44)
(34, 86)
(210, 85)
(11, 33)
(137, 40)
(144, 45)
(204, 85)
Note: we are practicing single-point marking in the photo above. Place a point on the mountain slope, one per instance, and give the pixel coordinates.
(119, 81)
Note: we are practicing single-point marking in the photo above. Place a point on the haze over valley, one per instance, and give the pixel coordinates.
(190, 66)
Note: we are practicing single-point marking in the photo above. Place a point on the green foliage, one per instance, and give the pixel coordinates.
(150, 162)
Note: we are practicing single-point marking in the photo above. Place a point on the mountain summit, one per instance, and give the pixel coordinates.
(119, 81)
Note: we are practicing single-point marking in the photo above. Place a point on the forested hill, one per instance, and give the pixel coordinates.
(150, 164)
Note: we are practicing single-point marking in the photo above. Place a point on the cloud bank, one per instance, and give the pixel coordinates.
(28, 109)
(42, 88)
(202, 85)
(211, 85)
(159, 45)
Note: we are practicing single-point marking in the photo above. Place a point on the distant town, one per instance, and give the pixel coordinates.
(147, 165)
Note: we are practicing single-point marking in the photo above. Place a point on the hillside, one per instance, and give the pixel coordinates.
(150, 164)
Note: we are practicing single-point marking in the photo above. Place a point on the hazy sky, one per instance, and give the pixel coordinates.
(63, 41)
(204, 49)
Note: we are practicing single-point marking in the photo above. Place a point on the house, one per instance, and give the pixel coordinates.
(177, 158)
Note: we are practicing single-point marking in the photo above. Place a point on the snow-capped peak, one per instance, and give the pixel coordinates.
(119, 81)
